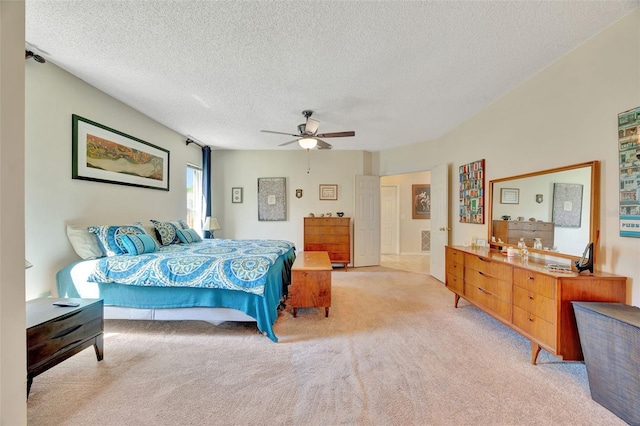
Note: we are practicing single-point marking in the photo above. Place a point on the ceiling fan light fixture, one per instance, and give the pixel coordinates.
(308, 143)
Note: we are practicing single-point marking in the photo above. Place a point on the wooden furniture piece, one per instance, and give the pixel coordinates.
(330, 234)
(526, 296)
(510, 232)
(310, 282)
(56, 333)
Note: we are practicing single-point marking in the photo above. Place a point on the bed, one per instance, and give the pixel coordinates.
(213, 280)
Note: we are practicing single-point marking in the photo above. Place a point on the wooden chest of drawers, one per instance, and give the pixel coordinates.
(527, 297)
(510, 232)
(330, 234)
(57, 333)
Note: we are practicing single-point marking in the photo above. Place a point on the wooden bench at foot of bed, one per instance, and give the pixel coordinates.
(310, 281)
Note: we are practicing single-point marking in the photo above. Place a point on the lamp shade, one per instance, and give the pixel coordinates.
(211, 224)
(308, 143)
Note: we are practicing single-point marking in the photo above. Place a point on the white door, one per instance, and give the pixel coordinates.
(439, 219)
(366, 227)
(389, 219)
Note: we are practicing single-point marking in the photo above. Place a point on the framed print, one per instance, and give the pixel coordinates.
(236, 195)
(472, 192)
(102, 154)
(421, 199)
(509, 196)
(567, 205)
(629, 165)
(328, 192)
(272, 199)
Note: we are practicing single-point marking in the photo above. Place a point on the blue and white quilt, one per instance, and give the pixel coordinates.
(213, 263)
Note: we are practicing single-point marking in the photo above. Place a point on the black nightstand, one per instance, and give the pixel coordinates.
(56, 333)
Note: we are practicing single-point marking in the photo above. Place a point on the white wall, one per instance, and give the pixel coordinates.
(410, 229)
(243, 168)
(54, 200)
(564, 115)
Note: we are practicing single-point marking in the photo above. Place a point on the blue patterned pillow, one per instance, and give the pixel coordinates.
(166, 231)
(188, 236)
(138, 244)
(109, 236)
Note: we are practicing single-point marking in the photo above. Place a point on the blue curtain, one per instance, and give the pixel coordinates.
(206, 184)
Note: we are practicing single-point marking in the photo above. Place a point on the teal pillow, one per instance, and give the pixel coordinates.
(138, 244)
(109, 236)
(188, 236)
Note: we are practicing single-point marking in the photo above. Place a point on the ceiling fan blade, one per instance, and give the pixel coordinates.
(336, 134)
(279, 133)
(288, 143)
(323, 144)
(311, 127)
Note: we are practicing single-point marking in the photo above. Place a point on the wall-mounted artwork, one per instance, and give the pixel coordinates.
(236, 195)
(272, 199)
(629, 149)
(472, 192)
(102, 154)
(567, 205)
(421, 199)
(328, 192)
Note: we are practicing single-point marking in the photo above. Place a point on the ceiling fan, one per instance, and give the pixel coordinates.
(308, 136)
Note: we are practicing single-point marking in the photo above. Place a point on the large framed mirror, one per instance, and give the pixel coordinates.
(553, 211)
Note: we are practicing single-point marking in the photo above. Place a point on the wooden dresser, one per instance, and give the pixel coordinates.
(330, 234)
(510, 232)
(525, 296)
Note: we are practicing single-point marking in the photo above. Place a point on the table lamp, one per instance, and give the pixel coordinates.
(211, 224)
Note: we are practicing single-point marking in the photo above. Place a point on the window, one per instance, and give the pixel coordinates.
(194, 198)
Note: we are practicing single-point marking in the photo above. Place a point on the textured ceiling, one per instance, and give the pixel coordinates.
(395, 72)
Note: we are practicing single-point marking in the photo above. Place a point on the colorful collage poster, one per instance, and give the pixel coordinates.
(472, 192)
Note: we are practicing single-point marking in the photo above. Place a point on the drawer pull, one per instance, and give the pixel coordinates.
(530, 319)
(530, 278)
(484, 291)
(481, 274)
(530, 297)
(484, 260)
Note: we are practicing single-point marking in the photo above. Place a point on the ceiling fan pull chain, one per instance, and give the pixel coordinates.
(308, 161)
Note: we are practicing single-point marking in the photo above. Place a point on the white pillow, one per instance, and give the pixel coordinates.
(84, 243)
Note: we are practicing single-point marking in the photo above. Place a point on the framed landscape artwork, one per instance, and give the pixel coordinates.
(102, 154)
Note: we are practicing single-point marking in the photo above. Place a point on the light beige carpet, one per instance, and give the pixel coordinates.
(393, 351)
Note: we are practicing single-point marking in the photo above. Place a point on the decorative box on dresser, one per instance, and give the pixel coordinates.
(510, 232)
(526, 296)
(330, 234)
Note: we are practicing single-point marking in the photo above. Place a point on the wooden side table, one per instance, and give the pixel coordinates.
(56, 333)
(311, 281)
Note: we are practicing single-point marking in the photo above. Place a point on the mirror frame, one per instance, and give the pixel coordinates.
(594, 208)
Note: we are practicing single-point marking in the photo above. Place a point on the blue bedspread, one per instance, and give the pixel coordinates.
(72, 281)
(213, 263)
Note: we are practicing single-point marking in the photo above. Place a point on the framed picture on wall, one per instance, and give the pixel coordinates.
(102, 154)
(472, 192)
(421, 200)
(272, 199)
(328, 192)
(236, 195)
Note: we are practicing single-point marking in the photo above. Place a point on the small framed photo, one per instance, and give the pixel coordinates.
(509, 196)
(328, 192)
(236, 195)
